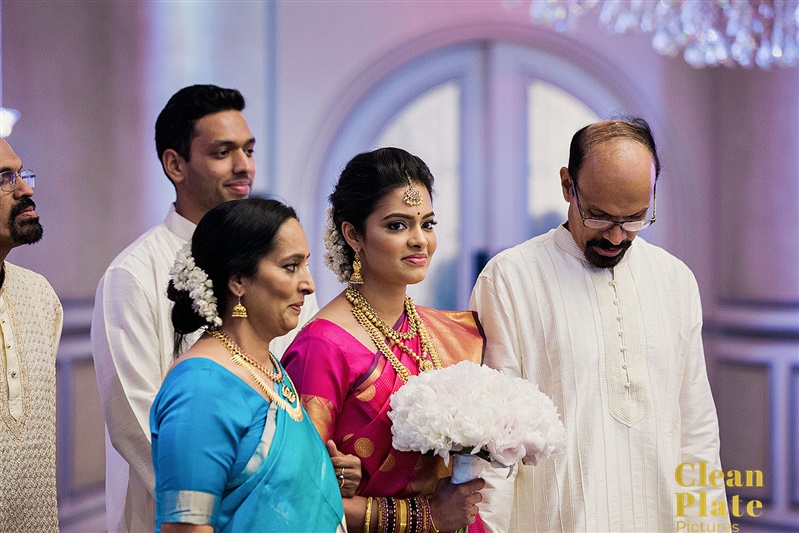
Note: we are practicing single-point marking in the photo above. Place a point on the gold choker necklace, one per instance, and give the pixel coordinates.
(238, 356)
(376, 326)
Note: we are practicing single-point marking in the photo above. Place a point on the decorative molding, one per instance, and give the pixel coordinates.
(760, 319)
(782, 412)
(793, 439)
(77, 505)
(726, 372)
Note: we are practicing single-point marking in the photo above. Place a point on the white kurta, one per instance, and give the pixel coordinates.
(620, 353)
(132, 345)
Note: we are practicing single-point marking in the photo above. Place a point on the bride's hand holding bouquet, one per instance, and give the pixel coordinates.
(473, 412)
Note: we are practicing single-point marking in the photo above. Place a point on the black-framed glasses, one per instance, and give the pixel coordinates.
(8, 179)
(601, 224)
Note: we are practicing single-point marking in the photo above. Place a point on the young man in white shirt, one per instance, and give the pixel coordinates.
(206, 149)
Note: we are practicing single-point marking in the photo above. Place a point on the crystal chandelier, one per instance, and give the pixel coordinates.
(708, 32)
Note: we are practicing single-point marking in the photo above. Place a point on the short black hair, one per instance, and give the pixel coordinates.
(174, 127)
(633, 128)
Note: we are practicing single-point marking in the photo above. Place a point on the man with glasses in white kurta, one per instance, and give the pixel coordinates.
(609, 326)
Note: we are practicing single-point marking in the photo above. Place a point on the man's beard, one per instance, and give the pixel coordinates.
(25, 230)
(603, 261)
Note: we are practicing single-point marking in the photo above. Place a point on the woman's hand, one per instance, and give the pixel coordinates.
(348, 470)
(455, 506)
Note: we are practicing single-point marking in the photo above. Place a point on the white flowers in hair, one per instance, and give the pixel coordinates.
(335, 255)
(187, 276)
(469, 408)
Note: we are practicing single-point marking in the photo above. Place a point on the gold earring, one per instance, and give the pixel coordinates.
(356, 278)
(239, 311)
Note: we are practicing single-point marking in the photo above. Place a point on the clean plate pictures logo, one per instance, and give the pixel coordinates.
(697, 505)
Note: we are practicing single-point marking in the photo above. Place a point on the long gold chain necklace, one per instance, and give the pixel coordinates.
(357, 300)
(375, 327)
(238, 356)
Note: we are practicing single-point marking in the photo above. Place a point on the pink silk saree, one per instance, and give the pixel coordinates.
(345, 388)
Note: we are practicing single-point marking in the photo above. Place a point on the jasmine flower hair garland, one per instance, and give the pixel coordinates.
(336, 250)
(187, 276)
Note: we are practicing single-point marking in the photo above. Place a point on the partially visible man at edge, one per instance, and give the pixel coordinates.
(609, 326)
(30, 330)
(206, 150)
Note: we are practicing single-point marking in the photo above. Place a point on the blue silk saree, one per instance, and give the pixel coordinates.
(226, 457)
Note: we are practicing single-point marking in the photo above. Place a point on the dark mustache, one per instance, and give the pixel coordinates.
(23, 204)
(604, 243)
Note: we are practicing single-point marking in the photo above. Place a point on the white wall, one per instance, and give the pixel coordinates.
(89, 79)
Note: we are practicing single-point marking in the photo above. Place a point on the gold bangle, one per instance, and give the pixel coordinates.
(433, 528)
(367, 520)
(402, 516)
(380, 505)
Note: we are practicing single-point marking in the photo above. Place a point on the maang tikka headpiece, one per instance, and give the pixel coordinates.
(412, 195)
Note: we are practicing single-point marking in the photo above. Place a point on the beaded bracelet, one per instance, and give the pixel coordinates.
(420, 521)
(384, 514)
(395, 515)
(391, 522)
(429, 513)
(412, 522)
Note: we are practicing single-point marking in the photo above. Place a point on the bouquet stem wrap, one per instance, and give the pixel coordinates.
(466, 467)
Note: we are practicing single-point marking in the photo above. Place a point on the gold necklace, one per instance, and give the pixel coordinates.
(230, 344)
(357, 299)
(238, 356)
(429, 358)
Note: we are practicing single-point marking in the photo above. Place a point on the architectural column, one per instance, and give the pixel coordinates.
(753, 326)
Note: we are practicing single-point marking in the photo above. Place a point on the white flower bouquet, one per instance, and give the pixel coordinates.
(469, 411)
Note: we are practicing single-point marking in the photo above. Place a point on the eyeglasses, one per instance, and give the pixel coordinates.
(8, 179)
(600, 224)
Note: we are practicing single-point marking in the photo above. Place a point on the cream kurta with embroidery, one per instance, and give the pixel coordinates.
(30, 325)
(620, 353)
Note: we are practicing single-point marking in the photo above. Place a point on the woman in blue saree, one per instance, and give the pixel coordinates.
(233, 449)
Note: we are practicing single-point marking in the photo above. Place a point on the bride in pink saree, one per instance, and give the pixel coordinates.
(362, 346)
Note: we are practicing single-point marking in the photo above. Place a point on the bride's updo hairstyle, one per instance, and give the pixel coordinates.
(231, 238)
(366, 180)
